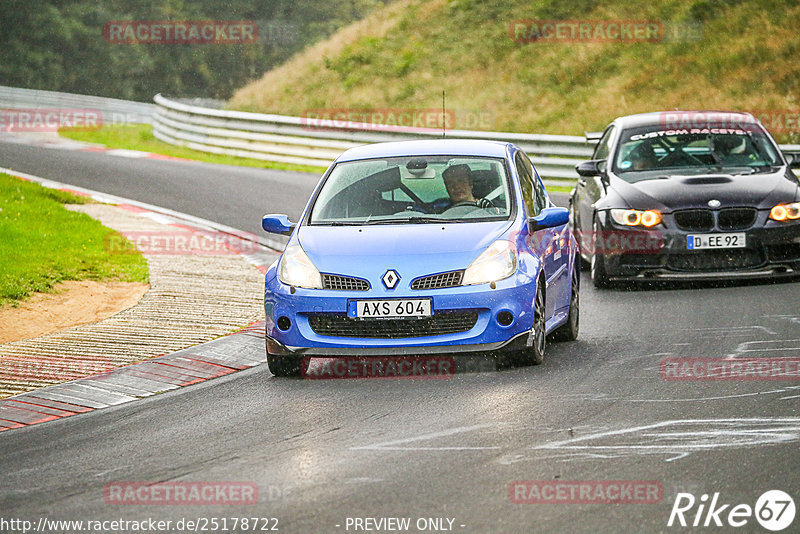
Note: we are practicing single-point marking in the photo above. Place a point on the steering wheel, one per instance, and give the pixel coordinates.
(463, 203)
(484, 203)
(679, 157)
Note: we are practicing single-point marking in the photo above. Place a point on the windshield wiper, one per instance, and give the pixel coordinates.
(413, 220)
(418, 219)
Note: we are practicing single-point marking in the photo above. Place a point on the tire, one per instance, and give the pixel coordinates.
(569, 330)
(533, 355)
(598, 263)
(284, 366)
(578, 235)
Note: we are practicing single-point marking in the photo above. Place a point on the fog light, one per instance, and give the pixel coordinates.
(505, 318)
(284, 323)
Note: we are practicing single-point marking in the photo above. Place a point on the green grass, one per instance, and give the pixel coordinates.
(140, 137)
(42, 243)
(558, 188)
(714, 54)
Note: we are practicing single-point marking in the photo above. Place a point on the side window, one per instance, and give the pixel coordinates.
(525, 172)
(604, 146)
(540, 196)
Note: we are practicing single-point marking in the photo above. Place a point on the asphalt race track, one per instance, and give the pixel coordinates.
(326, 452)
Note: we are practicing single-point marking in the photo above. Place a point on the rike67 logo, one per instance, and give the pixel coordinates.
(774, 510)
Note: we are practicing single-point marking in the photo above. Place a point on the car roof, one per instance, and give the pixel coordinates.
(676, 116)
(427, 147)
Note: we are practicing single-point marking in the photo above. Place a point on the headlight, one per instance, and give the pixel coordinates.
(497, 262)
(785, 212)
(646, 218)
(297, 270)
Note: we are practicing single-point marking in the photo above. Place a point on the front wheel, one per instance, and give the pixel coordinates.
(533, 354)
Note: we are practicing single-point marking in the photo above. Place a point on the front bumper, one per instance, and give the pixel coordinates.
(293, 320)
(516, 343)
(772, 251)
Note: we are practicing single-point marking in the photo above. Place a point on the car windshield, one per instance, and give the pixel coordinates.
(651, 148)
(414, 190)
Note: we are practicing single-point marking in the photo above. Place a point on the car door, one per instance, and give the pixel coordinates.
(535, 201)
(559, 283)
(588, 191)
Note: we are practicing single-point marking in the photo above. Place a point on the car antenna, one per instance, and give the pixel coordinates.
(444, 115)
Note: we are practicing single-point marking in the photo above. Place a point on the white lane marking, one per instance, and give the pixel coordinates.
(679, 438)
(679, 457)
(125, 153)
(730, 330)
(792, 397)
(765, 346)
(790, 318)
(101, 473)
(721, 397)
(393, 445)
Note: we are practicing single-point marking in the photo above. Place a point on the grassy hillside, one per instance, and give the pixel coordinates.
(717, 54)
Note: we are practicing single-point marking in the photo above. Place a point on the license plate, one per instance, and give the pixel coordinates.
(382, 309)
(705, 241)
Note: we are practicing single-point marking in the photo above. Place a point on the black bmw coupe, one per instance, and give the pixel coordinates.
(687, 195)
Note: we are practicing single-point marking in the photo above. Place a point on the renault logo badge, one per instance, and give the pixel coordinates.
(390, 279)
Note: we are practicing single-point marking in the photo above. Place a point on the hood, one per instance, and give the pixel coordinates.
(412, 250)
(667, 193)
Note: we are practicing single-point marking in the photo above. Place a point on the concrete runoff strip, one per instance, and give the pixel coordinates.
(170, 339)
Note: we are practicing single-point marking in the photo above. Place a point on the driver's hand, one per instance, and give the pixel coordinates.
(484, 203)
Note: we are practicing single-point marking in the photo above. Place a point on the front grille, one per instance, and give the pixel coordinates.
(716, 260)
(344, 283)
(436, 325)
(736, 218)
(438, 281)
(694, 220)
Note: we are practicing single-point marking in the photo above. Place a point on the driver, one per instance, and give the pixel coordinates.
(730, 150)
(459, 182)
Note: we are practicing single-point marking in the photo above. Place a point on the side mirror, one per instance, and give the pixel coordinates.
(549, 218)
(589, 168)
(793, 158)
(277, 224)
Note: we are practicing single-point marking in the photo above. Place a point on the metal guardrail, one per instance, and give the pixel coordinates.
(318, 142)
(293, 139)
(113, 110)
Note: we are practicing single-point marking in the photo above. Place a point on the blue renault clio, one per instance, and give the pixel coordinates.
(435, 247)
